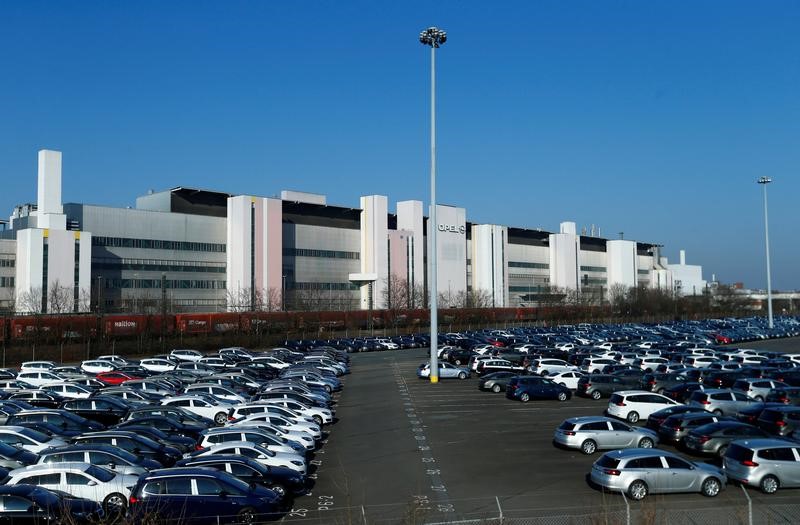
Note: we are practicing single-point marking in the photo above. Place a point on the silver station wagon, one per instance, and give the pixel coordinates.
(640, 472)
(592, 433)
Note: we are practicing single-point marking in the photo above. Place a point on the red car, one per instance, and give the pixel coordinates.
(115, 378)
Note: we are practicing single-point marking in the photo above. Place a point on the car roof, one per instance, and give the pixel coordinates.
(633, 392)
(67, 465)
(588, 419)
(180, 471)
(765, 443)
(638, 453)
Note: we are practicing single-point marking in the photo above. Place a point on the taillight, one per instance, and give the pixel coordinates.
(780, 423)
(706, 402)
(134, 499)
(569, 433)
(198, 447)
(231, 418)
(612, 472)
(620, 404)
(749, 463)
(703, 439)
(677, 429)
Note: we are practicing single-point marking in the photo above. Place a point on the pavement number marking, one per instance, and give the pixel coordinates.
(325, 502)
(423, 502)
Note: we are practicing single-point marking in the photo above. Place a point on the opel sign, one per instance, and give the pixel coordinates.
(452, 228)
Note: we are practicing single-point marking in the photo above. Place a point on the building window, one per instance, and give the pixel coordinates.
(643, 272)
(328, 254)
(7, 263)
(157, 244)
(6, 282)
(156, 265)
(519, 264)
(593, 268)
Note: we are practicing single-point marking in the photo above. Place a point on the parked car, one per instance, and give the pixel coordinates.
(778, 421)
(525, 388)
(446, 371)
(133, 443)
(81, 480)
(633, 405)
(171, 493)
(720, 401)
(658, 382)
(496, 381)
(598, 386)
(567, 379)
(112, 458)
(768, 464)
(658, 417)
(28, 439)
(592, 433)
(677, 426)
(546, 367)
(714, 438)
(758, 389)
(30, 504)
(639, 472)
(787, 395)
(106, 410)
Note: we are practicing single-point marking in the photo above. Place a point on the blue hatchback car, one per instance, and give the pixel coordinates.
(200, 495)
(525, 388)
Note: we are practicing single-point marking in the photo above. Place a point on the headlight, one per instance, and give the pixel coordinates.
(298, 463)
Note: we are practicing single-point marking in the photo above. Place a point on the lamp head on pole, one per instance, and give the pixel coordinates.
(433, 36)
(764, 180)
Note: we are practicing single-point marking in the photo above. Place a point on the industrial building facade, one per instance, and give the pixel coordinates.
(186, 249)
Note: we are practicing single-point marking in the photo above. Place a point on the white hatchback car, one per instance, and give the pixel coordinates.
(546, 367)
(98, 366)
(567, 379)
(633, 405)
(38, 379)
(81, 480)
(68, 390)
(205, 406)
(28, 439)
(157, 365)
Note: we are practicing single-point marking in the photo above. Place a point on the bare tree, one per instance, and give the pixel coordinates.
(272, 299)
(84, 300)
(60, 298)
(30, 301)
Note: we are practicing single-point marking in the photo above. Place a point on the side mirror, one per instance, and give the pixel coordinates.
(112, 465)
(92, 483)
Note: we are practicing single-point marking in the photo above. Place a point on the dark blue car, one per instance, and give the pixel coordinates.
(200, 495)
(525, 388)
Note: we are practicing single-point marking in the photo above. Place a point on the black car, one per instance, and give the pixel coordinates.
(106, 410)
(657, 418)
(284, 481)
(38, 398)
(459, 356)
(722, 378)
(13, 457)
(786, 395)
(62, 419)
(751, 414)
(175, 428)
(179, 414)
(598, 386)
(714, 438)
(779, 421)
(182, 443)
(29, 504)
(677, 426)
(133, 443)
(659, 382)
(525, 388)
(682, 392)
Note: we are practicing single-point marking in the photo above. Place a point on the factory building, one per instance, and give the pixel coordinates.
(187, 249)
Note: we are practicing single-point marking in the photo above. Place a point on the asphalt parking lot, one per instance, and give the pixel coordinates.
(407, 451)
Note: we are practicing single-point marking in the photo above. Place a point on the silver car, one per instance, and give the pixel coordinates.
(758, 389)
(768, 464)
(640, 472)
(591, 433)
(721, 401)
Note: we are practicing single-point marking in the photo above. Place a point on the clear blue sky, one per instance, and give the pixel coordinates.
(652, 118)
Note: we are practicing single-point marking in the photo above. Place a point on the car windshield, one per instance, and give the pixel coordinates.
(35, 435)
(100, 474)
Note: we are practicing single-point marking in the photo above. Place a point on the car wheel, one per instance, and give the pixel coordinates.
(588, 447)
(562, 396)
(637, 490)
(760, 399)
(769, 484)
(525, 397)
(115, 504)
(718, 412)
(328, 389)
(660, 391)
(279, 490)
(596, 395)
(317, 420)
(496, 388)
(646, 443)
(458, 362)
(462, 375)
(597, 371)
(710, 487)
(563, 384)
(221, 418)
(247, 515)
(632, 417)
(722, 450)
(544, 373)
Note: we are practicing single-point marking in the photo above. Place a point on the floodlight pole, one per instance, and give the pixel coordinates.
(434, 38)
(764, 181)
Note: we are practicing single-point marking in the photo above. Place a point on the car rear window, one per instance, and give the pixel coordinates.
(771, 415)
(566, 425)
(616, 398)
(607, 462)
(739, 453)
(698, 396)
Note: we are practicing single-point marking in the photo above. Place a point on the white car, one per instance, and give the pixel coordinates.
(35, 366)
(567, 379)
(268, 440)
(248, 409)
(477, 360)
(548, 366)
(271, 361)
(68, 390)
(98, 366)
(215, 390)
(312, 429)
(81, 480)
(214, 362)
(318, 414)
(214, 409)
(184, 354)
(258, 453)
(29, 439)
(38, 379)
(117, 360)
(261, 421)
(648, 364)
(157, 365)
(635, 405)
(387, 344)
